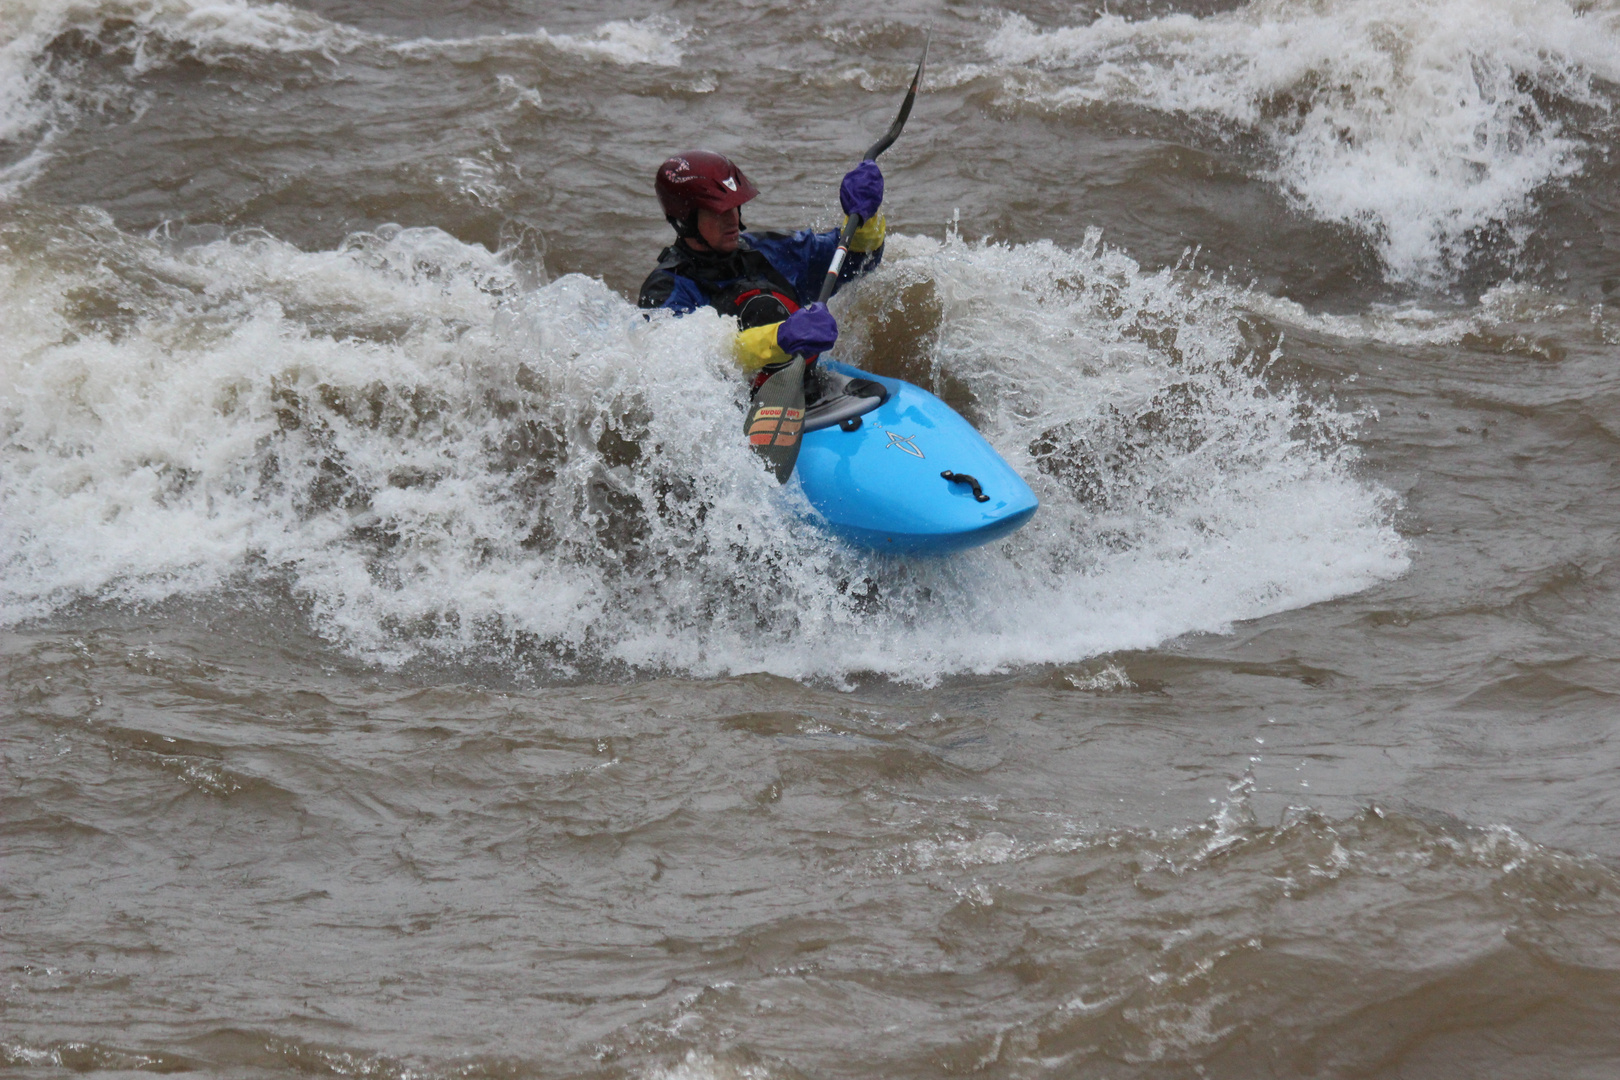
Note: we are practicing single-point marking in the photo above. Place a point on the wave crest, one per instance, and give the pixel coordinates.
(1429, 125)
(438, 463)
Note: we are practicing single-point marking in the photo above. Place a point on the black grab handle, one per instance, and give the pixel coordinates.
(964, 478)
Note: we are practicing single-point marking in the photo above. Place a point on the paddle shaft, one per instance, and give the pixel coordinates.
(853, 221)
(776, 415)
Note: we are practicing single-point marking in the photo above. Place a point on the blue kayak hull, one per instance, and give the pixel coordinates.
(880, 485)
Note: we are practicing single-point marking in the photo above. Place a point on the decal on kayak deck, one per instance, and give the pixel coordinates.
(898, 441)
(778, 422)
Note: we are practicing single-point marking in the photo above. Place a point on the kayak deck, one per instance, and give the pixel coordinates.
(906, 474)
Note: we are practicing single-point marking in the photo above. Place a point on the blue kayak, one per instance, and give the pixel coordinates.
(890, 466)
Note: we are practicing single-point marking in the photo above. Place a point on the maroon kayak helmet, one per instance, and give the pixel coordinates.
(699, 179)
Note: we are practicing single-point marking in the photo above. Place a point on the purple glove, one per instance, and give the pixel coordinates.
(861, 193)
(808, 331)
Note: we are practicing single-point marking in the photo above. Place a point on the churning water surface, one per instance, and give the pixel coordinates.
(409, 673)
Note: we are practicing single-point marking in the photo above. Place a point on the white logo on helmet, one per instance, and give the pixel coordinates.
(729, 184)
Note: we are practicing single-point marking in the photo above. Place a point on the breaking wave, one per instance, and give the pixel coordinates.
(435, 462)
(46, 49)
(1429, 125)
(60, 61)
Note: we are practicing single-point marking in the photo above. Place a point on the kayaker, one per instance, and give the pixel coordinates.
(768, 280)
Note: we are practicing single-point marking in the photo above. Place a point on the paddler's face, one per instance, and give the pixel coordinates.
(720, 229)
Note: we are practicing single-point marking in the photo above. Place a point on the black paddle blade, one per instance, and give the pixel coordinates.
(893, 133)
(775, 416)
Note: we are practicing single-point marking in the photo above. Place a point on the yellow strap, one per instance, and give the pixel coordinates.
(869, 237)
(758, 347)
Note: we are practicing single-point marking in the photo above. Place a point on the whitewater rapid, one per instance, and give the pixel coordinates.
(1431, 128)
(437, 460)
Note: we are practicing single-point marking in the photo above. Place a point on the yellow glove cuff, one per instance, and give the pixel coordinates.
(869, 237)
(757, 347)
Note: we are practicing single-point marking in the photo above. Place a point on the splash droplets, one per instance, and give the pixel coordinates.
(441, 464)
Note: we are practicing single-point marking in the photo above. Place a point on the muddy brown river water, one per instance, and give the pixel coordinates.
(408, 673)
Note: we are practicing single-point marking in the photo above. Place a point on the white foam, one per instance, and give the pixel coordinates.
(1412, 324)
(654, 40)
(210, 30)
(1112, 678)
(702, 1065)
(439, 462)
(1418, 121)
